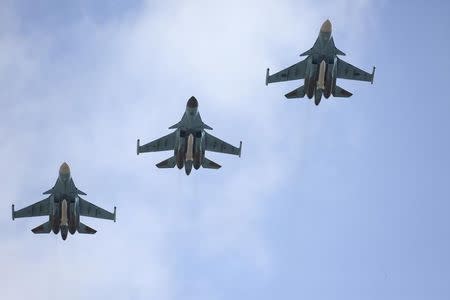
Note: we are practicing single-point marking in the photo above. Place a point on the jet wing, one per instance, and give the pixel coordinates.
(88, 209)
(38, 209)
(162, 144)
(348, 71)
(217, 145)
(294, 72)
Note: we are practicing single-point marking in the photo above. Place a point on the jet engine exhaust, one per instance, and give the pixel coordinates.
(197, 160)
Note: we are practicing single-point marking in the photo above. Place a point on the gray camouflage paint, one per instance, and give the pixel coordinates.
(189, 142)
(320, 69)
(64, 206)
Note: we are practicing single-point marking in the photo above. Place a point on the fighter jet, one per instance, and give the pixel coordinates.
(320, 69)
(189, 142)
(64, 207)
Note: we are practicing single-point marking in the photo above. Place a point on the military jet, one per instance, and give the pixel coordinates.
(64, 207)
(189, 142)
(320, 69)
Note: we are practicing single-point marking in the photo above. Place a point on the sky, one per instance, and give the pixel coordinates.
(345, 200)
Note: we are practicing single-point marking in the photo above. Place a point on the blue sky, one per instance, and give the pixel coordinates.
(347, 200)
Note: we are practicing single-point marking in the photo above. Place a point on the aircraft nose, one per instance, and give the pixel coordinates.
(64, 169)
(326, 27)
(192, 102)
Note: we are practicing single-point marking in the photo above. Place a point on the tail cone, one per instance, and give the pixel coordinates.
(188, 167)
(64, 231)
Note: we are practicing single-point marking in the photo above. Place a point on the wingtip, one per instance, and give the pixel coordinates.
(267, 76)
(137, 146)
(373, 74)
(114, 214)
(240, 148)
(12, 211)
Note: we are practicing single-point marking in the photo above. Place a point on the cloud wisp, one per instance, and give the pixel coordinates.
(129, 79)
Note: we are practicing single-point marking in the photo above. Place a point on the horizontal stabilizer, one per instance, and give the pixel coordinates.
(168, 163)
(209, 164)
(297, 93)
(82, 228)
(340, 92)
(44, 228)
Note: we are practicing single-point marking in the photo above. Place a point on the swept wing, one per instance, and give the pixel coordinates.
(217, 145)
(349, 71)
(38, 209)
(88, 209)
(294, 72)
(162, 144)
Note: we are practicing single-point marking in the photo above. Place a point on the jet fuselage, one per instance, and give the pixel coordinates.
(320, 77)
(190, 143)
(64, 204)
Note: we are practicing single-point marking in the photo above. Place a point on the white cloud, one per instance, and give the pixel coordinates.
(131, 79)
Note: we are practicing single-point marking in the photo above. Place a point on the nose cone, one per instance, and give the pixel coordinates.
(64, 172)
(326, 27)
(64, 169)
(192, 102)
